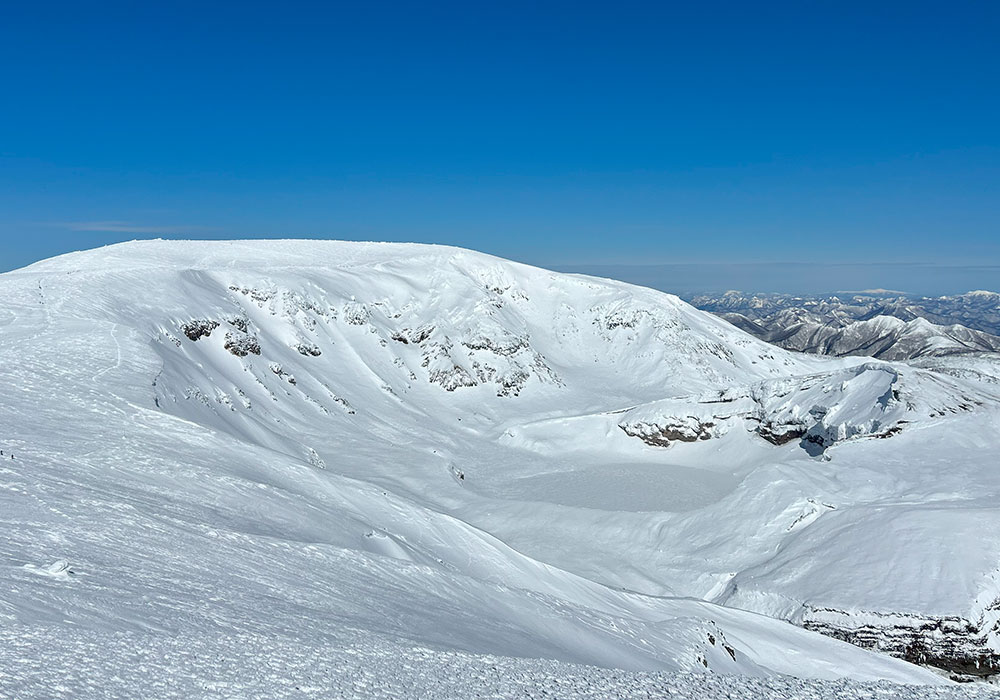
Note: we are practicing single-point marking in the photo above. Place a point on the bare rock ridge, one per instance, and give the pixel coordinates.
(965, 648)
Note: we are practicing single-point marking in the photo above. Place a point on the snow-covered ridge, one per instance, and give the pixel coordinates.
(866, 401)
(430, 444)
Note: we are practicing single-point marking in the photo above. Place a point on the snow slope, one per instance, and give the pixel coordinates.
(321, 442)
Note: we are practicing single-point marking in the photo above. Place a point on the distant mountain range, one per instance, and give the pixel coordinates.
(874, 323)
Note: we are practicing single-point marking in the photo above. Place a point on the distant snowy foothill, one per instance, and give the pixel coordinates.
(332, 469)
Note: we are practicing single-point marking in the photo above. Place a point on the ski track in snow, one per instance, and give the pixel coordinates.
(118, 357)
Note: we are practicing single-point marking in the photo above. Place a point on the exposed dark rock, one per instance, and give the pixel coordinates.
(815, 440)
(241, 344)
(894, 430)
(356, 314)
(345, 405)
(621, 319)
(415, 336)
(280, 372)
(953, 644)
(452, 378)
(512, 382)
(507, 346)
(308, 349)
(664, 435)
(199, 328)
(780, 434)
(260, 296)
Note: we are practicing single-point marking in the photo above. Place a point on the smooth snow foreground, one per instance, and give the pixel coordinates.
(367, 469)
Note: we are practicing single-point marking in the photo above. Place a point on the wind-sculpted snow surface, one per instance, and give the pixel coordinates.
(125, 665)
(302, 442)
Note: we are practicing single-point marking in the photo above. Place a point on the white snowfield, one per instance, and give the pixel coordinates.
(328, 469)
(71, 665)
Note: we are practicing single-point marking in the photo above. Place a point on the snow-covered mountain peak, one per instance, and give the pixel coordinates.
(456, 318)
(440, 447)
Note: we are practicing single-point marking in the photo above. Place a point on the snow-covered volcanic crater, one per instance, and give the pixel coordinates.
(386, 447)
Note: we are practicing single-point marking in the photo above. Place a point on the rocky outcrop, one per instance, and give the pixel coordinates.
(241, 344)
(356, 314)
(965, 649)
(506, 345)
(197, 329)
(308, 349)
(686, 429)
(279, 371)
(452, 378)
(415, 336)
(778, 433)
(499, 358)
(239, 341)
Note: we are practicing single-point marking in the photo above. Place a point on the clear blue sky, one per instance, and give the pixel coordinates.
(554, 133)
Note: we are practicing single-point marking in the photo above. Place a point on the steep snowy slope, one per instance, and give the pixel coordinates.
(314, 440)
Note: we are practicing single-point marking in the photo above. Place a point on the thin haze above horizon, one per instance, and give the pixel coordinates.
(585, 135)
